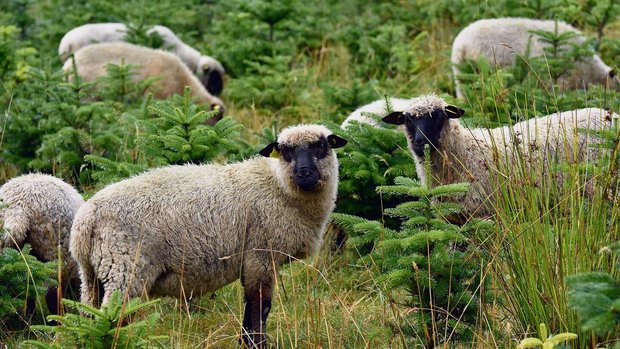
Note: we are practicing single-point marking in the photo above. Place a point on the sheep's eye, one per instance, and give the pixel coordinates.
(286, 153)
(319, 149)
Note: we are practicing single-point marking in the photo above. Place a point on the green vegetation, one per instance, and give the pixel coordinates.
(101, 328)
(23, 287)
(289, 62)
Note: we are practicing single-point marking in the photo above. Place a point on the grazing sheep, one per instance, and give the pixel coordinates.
(500, 40)
(173, 75)
(195, 228)
(40, 212)
(209, 70)
(377, 107)
(460, 154)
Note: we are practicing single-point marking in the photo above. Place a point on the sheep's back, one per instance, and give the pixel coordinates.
(501, 39)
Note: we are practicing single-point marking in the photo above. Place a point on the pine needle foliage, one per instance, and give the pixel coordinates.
(101, 328)
(50, 125)
(173, 132)
(178, 134)
(23, 279)
(138, 34)
(428, 258)
(373, 156)
(118, 85)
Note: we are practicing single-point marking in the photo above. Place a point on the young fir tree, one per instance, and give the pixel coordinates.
(430, 259)
(374, 156)
(23, 282)
(176, 134)
(50, 126)
(103, 328)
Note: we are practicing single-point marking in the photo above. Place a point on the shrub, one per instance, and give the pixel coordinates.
(435, 263)
(23, 282)
(101, 328)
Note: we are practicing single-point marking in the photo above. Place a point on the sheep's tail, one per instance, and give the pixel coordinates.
(80, 247)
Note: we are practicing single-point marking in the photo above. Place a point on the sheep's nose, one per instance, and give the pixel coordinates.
(303, 172)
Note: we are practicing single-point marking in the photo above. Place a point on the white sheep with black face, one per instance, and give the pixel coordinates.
(501, 40)
(196, 228)
(460, 154)
(209, 70)
(39, 211)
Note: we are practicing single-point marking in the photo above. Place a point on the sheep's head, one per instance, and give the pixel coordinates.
(304, 152)
(211, 74)
(424, 120)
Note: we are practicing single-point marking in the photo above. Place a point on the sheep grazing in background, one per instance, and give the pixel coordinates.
(179, 230)
(173, 75)
(500, 40)
(209, 70)
(39, 211)
(460, 154)
(378, 107)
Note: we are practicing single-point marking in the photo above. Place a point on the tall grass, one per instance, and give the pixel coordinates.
(552, 224)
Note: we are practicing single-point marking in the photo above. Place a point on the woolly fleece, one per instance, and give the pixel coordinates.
(196, 228)
(40, 212)
(500, 40)
(172, 74)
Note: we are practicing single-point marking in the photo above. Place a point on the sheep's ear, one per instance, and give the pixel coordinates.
(270, 151)
(395, 118)
(336, 141)
(454, 112)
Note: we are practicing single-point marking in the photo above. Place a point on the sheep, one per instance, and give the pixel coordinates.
(196, 228)
(209, 70)
(499, 40)
(91, 61)
(40, 212)
(378, 107)
(460, 154)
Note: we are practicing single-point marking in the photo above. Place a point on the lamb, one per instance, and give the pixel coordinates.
(91, 61)
(460, 154)
(499, 40)
(209, 70)
(195, 228)
(40, 212)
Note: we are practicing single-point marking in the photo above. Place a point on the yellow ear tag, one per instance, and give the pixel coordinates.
(274, 153)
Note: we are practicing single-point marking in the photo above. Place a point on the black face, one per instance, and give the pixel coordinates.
(305, 158)
(425, 130)
(213, 81)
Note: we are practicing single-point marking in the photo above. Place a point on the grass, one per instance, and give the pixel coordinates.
(543, 233)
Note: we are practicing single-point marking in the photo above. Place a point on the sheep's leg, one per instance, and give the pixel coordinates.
(90, 287)
(257, 288)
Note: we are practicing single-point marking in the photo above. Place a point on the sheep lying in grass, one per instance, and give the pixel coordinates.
(460, 154)
(91, 61)
(39, 211)
(195, 228)
(209, 70)
(500, 40)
